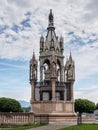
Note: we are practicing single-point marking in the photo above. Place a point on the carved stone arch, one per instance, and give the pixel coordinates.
(57, 49)
(58, 61)
(33, 70)
(52, 42)
(54, 58)
(58, 69)
(46, 69)
(66, 72)
(46, 61)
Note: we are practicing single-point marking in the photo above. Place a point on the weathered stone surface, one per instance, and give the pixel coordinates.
(53, 95)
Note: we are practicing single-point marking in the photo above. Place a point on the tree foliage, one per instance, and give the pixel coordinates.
(84, 105)
(9, 105)
(97, 106)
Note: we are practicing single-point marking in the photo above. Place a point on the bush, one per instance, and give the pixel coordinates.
(9, 105)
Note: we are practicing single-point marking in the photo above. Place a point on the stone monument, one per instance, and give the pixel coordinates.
(53, 94)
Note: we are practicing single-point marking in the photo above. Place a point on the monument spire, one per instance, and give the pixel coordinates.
(51, 19)
(33, 56)
(70, 57)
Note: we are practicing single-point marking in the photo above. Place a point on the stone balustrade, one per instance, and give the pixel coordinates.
(16, 118)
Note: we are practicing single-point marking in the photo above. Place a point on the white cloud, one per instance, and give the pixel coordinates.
(90, 93)
(13, 12)
(92, 8)
(17, 93)
(79, 17)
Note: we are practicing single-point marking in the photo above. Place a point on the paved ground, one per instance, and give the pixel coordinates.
(56, 126)
(50, 127)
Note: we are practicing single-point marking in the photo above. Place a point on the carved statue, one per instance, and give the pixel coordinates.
(70, 71)
(53, 69)
(33, 71)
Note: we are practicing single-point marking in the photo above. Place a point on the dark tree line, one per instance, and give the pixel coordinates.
(84, 106)
(9, 105)
(12, 105)
(97, 106)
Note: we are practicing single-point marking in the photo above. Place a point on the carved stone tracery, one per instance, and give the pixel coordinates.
(55, 78)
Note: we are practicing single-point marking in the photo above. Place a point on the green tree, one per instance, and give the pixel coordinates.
(97, 106)
(84, 105)
(9, 105)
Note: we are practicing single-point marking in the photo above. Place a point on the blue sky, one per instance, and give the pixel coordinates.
(22, 23)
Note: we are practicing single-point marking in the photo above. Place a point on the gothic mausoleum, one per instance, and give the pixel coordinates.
(53, 94)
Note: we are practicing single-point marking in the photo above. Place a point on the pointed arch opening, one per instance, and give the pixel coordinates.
(46, 69)
(58, 70)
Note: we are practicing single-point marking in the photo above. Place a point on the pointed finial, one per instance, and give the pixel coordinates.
(51, 18)
(41, 38)
(70, 52)
(33, 56)
(70, 57)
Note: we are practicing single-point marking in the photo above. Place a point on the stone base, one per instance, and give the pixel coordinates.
(53, 107)
(51, 118)
(54, 111)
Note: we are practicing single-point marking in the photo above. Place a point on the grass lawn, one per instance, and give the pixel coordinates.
(82, 127)
(24, 127)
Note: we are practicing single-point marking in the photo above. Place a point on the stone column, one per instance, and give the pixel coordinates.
(41, 73)
(32, 90)
(62, 73)
(66, 92)
(32, 93)
(53, 89)
(72, 95)
(31, 118)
